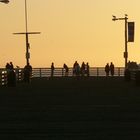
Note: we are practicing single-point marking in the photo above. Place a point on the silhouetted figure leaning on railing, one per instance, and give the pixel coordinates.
(27, 73)
(65, 67)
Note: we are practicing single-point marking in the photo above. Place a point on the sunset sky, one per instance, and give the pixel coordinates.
(71, 30)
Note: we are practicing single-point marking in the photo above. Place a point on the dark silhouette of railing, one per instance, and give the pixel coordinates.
(4, 72)
(133, 75)
(58, 72)
(3, 77)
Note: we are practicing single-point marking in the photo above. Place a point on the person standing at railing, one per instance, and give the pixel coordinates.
(27, 73)
(107, 69)
(7, 66)
(77, 70)
(11, 75)
(112, 69)
(83, 66)
(52, 69)
(11, 66)
(87, 69)
(65, 67)
(74, 68)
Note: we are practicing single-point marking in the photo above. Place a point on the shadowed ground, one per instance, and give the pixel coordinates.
(96, 108)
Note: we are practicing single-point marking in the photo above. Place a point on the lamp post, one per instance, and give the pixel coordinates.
(4, 1)
(126, 51)
(26, 33)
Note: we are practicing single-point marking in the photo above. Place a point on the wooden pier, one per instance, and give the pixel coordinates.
(68, 108)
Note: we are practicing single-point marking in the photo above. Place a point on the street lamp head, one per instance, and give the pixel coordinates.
(4, 1)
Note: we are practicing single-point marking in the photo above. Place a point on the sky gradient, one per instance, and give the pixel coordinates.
(71, 30)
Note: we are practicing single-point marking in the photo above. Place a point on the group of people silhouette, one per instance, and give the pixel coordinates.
(12, 73)
(109, 69)
(77, 70)
(83, 69)
(9, 66)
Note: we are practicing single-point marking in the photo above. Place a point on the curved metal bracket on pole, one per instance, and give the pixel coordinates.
(5, 1)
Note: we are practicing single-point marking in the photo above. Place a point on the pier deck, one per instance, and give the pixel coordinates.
(95, 108)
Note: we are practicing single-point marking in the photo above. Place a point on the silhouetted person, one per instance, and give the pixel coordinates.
(66, 69)
(18, 75)
(11, 78)
(112, 69)
(107, 68)
(11, 66)
(83, 66)
(74, 68)
(7, 66)
(11, 75)
(87, 69)
(52, 69)
(77, 69)
(27, 73)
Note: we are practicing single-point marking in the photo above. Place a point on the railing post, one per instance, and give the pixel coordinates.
(0, 77)
(118, 71)
(40, 73)
(4, 77)
(19, 74)
(62, 72)
(97, 71)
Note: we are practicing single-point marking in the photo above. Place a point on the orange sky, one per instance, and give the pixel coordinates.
(71, 30)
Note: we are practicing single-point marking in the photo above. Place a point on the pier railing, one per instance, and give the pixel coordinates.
(58, 72)
(4, 72)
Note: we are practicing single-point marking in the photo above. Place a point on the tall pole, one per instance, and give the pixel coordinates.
(27, 40)
(26, 33)
(26, 18)
(126, 51)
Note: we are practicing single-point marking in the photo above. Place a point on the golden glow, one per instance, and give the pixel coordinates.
(71, 30)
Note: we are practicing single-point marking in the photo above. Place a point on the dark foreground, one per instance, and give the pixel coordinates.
(68, 109)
